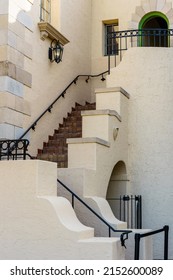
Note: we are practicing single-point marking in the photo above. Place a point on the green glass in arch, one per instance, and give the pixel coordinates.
(147, 17)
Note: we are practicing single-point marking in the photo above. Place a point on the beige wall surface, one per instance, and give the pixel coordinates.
(108, 10)
(147, 73)
(128, 14)
(50, 79)
(42, 81)
(36, 224)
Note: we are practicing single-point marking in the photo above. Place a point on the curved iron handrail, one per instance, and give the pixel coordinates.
(124, 234)
(62, 94)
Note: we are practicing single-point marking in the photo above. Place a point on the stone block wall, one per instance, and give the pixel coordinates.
(14, 51)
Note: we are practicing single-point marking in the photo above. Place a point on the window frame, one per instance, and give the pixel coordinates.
(45, 11)
(113, 25)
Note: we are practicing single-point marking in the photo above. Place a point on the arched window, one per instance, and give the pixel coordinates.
(154, 30)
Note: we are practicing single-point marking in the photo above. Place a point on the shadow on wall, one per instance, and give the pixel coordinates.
(117, 186)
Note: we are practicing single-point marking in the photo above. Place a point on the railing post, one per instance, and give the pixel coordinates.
(109, 232)
(137, 246)
(166, 229)
(109, 64)
(24, 150)
(139, 211)
(72, 202)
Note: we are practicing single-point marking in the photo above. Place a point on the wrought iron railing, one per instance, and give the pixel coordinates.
(128, 208)
(138, 237)
(62, 94)
(122, 40)
(14, 149)
(124, 233)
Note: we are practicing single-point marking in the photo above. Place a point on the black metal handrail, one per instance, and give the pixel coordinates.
(120, 41)
(62, 94)
(124, 234)
(14, 149)
(138, 236)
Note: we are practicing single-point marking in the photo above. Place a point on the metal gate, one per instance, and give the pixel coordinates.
(128, 209)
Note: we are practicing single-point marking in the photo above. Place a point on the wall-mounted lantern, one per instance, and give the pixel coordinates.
(55, 51)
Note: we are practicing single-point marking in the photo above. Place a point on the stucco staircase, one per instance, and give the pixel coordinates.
(56, 149)
(87, 146)
(92, 157)
(94, 140)
(52, 229)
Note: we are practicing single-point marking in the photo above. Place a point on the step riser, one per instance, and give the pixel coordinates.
(56, 148)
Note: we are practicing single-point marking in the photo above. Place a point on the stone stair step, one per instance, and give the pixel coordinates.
(56, 149)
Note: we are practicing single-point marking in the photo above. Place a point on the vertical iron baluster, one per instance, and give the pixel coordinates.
(166, 228)
(140, 211)
(154, 38)
(109, 232)
(160, 38)
(128, 211)
(72, 202)
(8, 148)
(131, 211)
(137, 246)
(137, 211)
(109, 64)
(116, 50)
(24, 150)
(124, 208)
(120, 48)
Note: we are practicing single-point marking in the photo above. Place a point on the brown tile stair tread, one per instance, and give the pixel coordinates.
(56, 149)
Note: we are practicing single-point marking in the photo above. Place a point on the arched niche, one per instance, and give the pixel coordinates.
(117, 186)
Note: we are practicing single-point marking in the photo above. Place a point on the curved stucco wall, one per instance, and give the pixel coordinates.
(129, 15)
(146, 73)
(36, 224)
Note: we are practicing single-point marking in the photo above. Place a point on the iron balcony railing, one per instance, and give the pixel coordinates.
(120, 41)
(14, 149)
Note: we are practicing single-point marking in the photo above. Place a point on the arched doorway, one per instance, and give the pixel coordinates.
(117, 186)
(154, 30)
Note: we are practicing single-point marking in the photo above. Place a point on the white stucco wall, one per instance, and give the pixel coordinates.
(50, 79)
(146, 74)
(42, 81)
(108, 10)
(128, 14)
(36, 224)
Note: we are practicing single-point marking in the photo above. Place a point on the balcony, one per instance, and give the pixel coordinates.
(120, 41)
